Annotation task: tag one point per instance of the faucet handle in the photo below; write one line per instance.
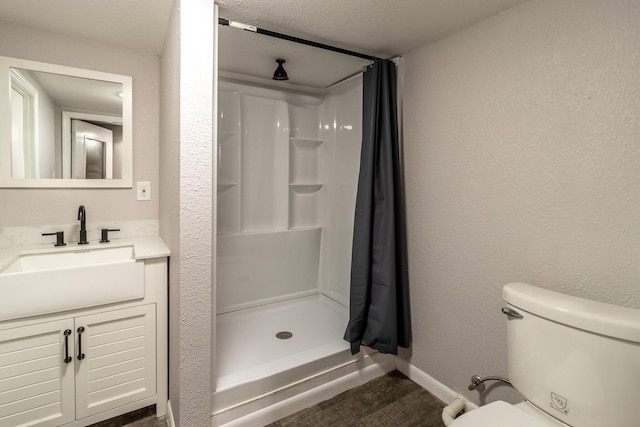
(59, 237)
(105, 234)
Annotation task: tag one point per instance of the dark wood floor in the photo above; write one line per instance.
(149, 422)
(391, 400)
(145, 417)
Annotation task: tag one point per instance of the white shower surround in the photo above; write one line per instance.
(287, 181)
(268, 216)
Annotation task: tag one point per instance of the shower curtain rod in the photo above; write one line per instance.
(226, 22)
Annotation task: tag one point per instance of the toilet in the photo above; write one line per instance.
(575, 361)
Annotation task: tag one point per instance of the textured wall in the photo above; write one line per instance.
(522, 150)
(187, 213)
(25, 207)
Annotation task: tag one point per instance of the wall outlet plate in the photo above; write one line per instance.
(144, 190)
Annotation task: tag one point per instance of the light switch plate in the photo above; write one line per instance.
(144, 190)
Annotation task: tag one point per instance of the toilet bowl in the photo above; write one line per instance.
(575, 361)
(503, 414)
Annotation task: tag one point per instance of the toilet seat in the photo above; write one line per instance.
(499, 414)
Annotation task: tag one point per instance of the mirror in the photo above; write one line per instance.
(64, 127)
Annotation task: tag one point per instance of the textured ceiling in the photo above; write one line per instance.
(383, 28)
(379, 27)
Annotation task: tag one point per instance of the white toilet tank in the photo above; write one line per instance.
(576, 359)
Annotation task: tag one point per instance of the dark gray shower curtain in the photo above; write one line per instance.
(379, 307)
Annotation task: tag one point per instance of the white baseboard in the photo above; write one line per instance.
(277, 411)
(430, 384)
(383, 365)
(170, 421)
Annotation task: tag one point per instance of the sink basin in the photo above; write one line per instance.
(69, 278)
(77, 258)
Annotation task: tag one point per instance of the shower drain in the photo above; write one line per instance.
(284, 335)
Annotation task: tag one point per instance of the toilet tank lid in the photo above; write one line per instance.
(593, 316)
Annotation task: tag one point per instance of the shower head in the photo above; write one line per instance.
(280, 73)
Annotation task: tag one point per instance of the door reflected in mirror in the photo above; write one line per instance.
(64, 127)
(87, 137)
(91, 150)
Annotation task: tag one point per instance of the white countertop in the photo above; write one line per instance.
(143, 248)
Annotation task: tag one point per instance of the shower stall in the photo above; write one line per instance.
(287, 180)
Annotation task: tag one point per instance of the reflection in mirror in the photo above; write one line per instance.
(91, 151)
(63, 126)
(24, 99)
(87, 138)
(38, 103)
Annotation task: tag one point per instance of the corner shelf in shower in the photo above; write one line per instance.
(305, 165)
(306, 188)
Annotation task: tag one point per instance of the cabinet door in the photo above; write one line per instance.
(119, 363)
(36, 383)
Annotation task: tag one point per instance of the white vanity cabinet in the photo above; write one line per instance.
(80, 367)
(118, 365)
(36, 385)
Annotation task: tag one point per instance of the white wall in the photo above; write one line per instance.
(522, 151)
(187, 206)
(59, 206)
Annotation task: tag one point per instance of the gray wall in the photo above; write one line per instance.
(522, 151)
(35, 207)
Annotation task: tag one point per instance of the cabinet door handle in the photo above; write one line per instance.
(80, 353)
(67, 358)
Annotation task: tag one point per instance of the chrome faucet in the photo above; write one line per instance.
(82, 217)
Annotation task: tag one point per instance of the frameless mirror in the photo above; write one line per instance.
(64, 127)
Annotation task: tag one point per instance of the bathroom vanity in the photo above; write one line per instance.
(92, 352)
